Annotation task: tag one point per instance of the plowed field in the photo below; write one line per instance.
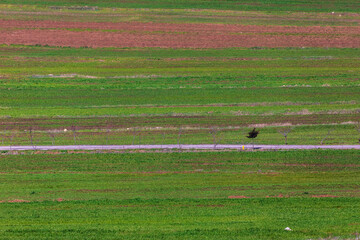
(171, 35)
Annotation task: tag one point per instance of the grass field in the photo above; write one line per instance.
(118, 89)
(223, 195)
(179, 72)
(315, 134)
(118, 15)
(258, 5)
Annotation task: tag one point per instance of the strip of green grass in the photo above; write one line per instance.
(153, 53)
(170, 88)
(197, 134)
(257, 5)
(179, 175)
(77, 98)
(274, 17)
(256, 112)
(190, 219)
(231, 80)
(181, 195)
(31, 67)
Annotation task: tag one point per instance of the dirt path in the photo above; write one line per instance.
(175, 146)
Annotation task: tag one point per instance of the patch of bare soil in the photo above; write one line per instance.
(18, 201)
(136, 34)
(324, 196)
(26, 201)
(312, 165)
(238, 197)
(179, 27)
(278, 196)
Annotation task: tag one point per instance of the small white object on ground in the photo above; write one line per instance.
(65, 130)
(288, 229)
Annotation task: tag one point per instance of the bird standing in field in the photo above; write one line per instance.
(253, 133)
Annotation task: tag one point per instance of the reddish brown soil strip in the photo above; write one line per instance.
(188, 35)
(296, 164)
(171, 122)
(312, 165)
(203, 164)
(278, 196)
(181, 28)
(324, 196)
(18, 201)
(26, 201)
(238, 197)
(197, 171)
(352, 224)
(269, 173)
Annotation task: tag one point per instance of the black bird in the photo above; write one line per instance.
(253, 133)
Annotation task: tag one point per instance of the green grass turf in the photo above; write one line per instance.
(180, 195)
(256, 5)
(29, 67)
(315, 134)
(154, 53)
(307, 129)
(138, 97)
(168, 88)
(320, 113)
(190, 219)
(143, 77)
(287, 18)
(138, 102)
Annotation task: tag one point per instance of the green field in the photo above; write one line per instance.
(255, 5)
(313, 134)
(181, 195)
(163, 15)
(220, 75)
(184, 92)
(118, 89)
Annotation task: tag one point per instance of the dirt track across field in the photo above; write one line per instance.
(171, 35)
(176, 146)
